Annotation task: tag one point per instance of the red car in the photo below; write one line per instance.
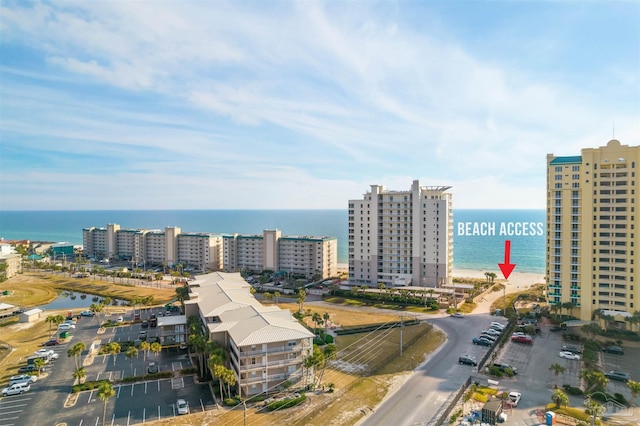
(52, 342)
(522, 339)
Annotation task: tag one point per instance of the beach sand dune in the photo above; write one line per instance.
(520, 279)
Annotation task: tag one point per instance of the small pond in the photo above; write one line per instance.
(71, 300)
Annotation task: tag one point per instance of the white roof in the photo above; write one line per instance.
(5, 306)
(228, 297)
(33, 311)
(172, 320)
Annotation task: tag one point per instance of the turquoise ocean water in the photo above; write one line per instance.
(479, 235)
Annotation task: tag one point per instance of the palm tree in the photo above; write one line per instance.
(317, 320)
(634, 387)
(276, 294)
(79, 374)
(76, 351)
(591, 330)
(329, 353)
(594, 379)
(105, 391)
(113, 348)
(218, 372)
(302, 295)
(268, 296)
(145, 347)
(229, 377)
(131, 353)
(326, 317)
(557, 370)
(560, 398)
(39, 364)
(156, 348)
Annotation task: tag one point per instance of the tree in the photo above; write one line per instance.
(302, 295)
(276, 295)
(105, 391)
(268, 296)
(634, 387)
(218, 372)
(591, 330)
(557, 370)
(156, 348)
(560, 398)
(145, 347)
(39, 364)
(114, 349)
(79, 374)
(317, 320)
(594, 379)
(229, 377)
(131, 353)
(76, 351)
(326, 317)
(328, 353)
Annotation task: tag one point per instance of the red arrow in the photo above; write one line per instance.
(507, 267)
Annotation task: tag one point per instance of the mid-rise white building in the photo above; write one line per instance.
(306, 256)
(402, 237)
(298, 255)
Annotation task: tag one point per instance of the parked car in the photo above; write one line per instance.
(514, 398)
(572, 349)
(44, 352)
(526, 339)
(467, 360)
(119, 319)
(183, 346)
(152, 368)
(569, 355)
(457, 315)
(504, 367)
(145, 324)
(87, 313)
(29, 369)
(613, 350)
(488, 337)
(558, 328)
(66, 326)
(52, 342)
(142, 335)
(16, 389)
(497, 324)
(617, 375)
(182, 406)
(481, 342)
(23, 378)
(492, 331)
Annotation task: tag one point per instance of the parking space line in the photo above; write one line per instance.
(12, 412)
(104, 358)
(80, 424)
(159, 412)
(144, 415)
(128, 418)
(145, 387)
(113, 418)
(110, 375)
(97, 420)
(158, 385)
(118, 393)
(132, 389)
(90, 395)
(201, 404)
(98, 377)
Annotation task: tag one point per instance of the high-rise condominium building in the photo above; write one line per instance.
(401, 237)
(592, 231)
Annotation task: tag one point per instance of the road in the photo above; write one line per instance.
(431, 385)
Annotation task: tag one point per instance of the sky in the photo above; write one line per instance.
(119, 105)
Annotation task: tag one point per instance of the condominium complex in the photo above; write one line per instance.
(402, 237)
(265, 344)
(305, 256)
(300, 255)
(143, 246)
(592, 231)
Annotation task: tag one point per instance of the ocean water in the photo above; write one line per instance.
(479, 235)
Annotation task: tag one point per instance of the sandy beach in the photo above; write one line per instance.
(519, 279)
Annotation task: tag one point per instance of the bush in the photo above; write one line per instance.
(328, 339)
(318, 341)
(231, 402)
(572, 390)
(88, 385)
(189, 370)
(495, 371)
(159, 375)
(287, 403)
(620, 398)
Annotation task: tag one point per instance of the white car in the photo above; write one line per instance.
(44, 352)
(514, 398)
(66, 326)
(16, 389)
(569, 355)
(492, 331)
(119, 319)
(20, 378)
(182, 406)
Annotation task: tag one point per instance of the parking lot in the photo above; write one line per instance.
(141, 402)
(536, 382)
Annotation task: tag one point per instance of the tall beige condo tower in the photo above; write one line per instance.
(401, 238)
(592, 232)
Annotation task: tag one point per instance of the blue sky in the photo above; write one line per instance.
(302, 104)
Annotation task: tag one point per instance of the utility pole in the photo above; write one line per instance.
(401, 329)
